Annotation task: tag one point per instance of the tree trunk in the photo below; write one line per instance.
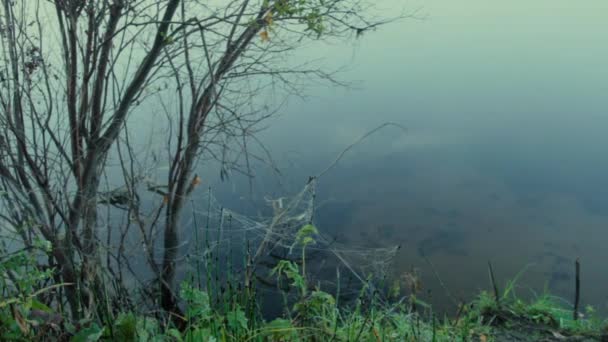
(171, 235)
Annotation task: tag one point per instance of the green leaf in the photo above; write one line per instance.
(125, 327)
(147, 328)
(90, 334)
(322, 300)
(199, 334)
(174, 333)
(237, 319)
(36, 305)
(197, 301)
(307, 230)
(279, 330)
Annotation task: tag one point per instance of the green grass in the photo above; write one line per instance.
(227, 310)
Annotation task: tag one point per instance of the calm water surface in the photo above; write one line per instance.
(505, 156)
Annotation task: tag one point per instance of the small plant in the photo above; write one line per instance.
(220, 312)
(21, 283)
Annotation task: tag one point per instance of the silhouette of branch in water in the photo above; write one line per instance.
(356, 142)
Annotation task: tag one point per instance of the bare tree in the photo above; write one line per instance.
(59, 122)
(66, 101)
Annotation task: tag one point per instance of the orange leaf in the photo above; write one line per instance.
(264, 36)
(196, 181)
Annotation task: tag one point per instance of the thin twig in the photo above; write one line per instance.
(445, 289)
(386, 124)
(494, 286)
(577, 293)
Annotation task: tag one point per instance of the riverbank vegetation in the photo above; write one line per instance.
(231, 311)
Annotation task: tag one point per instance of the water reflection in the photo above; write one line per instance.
(459, 218)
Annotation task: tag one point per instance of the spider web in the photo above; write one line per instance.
(273, 237)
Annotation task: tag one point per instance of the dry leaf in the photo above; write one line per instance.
(268, 18)
(483, 338)
(264, 36)
(21, 322)
(196, 181)
(376, 334)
